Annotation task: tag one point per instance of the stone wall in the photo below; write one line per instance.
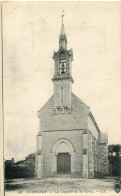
(77, 119)
(49, 140)
(103, 154)
(90, 156)
(66, 85)
(56, 125)
(103, 159)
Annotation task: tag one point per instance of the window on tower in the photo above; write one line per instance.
(61, 96)
(62, 66)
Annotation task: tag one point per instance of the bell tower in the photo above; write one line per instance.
(62, 78)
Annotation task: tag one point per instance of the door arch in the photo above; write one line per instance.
(63, 151)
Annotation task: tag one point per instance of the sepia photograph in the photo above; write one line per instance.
(61, 97)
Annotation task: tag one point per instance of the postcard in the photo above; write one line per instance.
(60, 98)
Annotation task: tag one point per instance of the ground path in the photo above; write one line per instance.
(61, 185)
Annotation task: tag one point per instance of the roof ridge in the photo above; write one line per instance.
(80, 100)
(45, 103)
(93, 119)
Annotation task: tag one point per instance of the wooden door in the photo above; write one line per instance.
(63, 163)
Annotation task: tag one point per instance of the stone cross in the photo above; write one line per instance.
(62, 16)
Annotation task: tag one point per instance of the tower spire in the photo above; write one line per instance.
(62, 27)
(62, 16)
(62, 78)
(62, 38)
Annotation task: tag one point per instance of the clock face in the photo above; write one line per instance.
(62, 66)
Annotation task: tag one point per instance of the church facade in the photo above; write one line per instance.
(69, 140)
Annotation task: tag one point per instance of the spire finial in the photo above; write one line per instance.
(62, 28)
(62, 16)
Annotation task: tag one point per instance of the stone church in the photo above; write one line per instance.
(69, 140)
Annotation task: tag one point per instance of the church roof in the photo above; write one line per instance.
(94, 121)
(90, 113)
(81, 104)
(79, 100)
(46, 103)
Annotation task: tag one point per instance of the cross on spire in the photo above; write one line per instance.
(62, 16)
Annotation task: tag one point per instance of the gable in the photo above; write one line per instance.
(78, 100)
(77, 119)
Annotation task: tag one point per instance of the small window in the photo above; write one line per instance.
(61, 95)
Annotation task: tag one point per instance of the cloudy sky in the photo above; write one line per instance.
(31, 33)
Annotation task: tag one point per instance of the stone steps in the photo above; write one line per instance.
(68, 175)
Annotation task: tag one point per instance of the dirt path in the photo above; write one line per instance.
(61, 185)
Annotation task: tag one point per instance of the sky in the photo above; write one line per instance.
(30, 36)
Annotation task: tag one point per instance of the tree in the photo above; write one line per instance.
(114, 152)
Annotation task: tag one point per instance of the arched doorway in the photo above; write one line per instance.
(63, 155)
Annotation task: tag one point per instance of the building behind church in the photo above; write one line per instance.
(69, 140)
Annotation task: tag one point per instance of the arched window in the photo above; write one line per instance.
(62, 66)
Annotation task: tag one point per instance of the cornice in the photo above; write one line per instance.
(62, 77)
(93, 119)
